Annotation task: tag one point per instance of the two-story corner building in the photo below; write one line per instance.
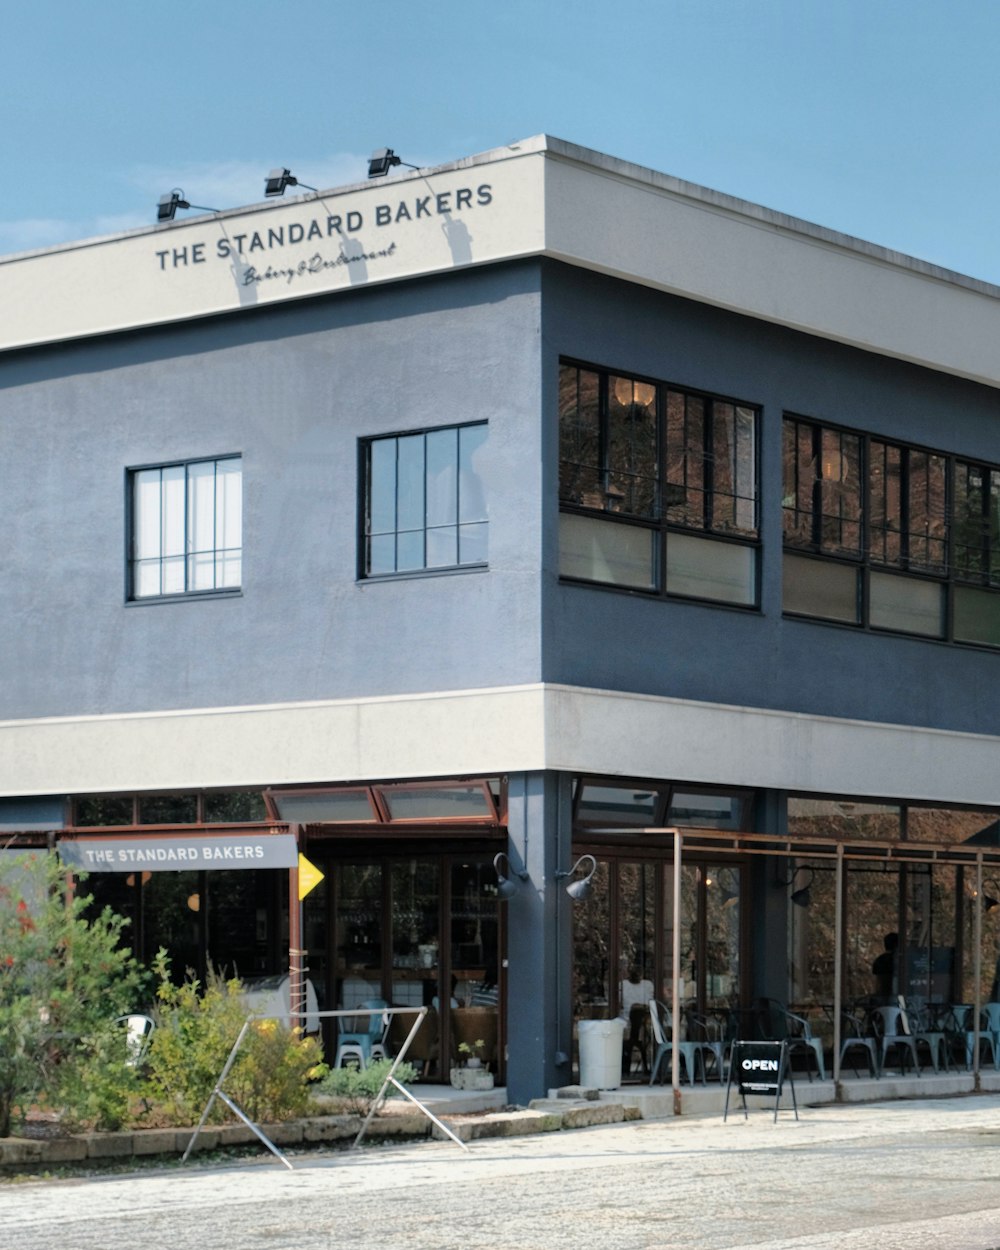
(536, 504)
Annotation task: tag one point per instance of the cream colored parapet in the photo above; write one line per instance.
(492, 731)
(539, 197)
(473, 212)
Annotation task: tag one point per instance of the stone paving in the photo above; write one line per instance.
(901, 1176)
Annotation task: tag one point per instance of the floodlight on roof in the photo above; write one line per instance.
(382, 160)
(168, 205)
(278, 179)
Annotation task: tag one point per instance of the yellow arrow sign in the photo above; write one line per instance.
(309, 877)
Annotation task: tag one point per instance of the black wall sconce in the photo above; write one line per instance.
(382, 160)
(802, 896)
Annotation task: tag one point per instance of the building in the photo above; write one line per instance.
(537, 505)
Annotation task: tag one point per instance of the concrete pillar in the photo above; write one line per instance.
(539, 936)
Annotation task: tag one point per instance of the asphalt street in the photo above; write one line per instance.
(897, 1176)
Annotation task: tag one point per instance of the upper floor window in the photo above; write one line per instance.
(186, 528)
(911, 537)
(658, 486)
(424, 501)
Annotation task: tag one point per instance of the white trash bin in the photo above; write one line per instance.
(601, 1053)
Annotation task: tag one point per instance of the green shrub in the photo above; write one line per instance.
(63, 980)
(195, 1034)
(357, 1088)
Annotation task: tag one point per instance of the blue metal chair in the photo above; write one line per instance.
(689, 1052)
(368, 1044)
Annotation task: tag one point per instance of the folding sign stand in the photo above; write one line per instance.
(760, 1068)
(219, 1092)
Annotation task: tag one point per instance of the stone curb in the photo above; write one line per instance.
(545, 1115)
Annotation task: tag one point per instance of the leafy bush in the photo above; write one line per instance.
(195, 1034)
(63, 980)
(357, 1088)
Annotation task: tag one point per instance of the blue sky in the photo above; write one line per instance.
(876, 117)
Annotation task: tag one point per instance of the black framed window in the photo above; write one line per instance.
(657, 487)
(186, 528)
(889, 536)
(424, 501)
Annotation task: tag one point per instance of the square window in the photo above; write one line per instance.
(186, 528)
(425, 502)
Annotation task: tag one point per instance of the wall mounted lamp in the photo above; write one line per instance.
(505, 887)
(991, 902)
(382, 160)
(168, 205)
(580, 889)
(278, 179)
(801, 897)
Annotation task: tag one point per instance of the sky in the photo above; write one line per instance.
(878, 118)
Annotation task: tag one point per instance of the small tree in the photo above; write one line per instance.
(63, 977)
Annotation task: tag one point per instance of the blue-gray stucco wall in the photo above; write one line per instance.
(291, 389)
(623, 641)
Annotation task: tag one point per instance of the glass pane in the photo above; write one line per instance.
(840, 491)
(98, 810)
(822, 589)
(636, 955)
(230, 806)
(146, 543)
(722, 937)
(632, 447)
(472, 543)
(471, 458)
(236, 918)
(437, 802)
(844, 818)
(474, 954)
(442, 547)
(810, 935)
(948, 827)
(871, 932)
(201, 507)
(382, 486)
(416, 937)
(382, 554)
(168, 809)
(351, 806)
(707, 570)
(410, 482)
(591, 948)
(410, 550)
(229, 505)
(601, 551)
(616, 805)
(228, 569)
(173, 526)
(358, 903)
(172, 576)
(201, 571)
(687, 933)
(907, 605)
(707, 811)
(442, 479)
(977, 615)
(147, 579)
(579, 437)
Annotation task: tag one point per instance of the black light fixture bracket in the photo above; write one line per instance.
(168, 204)
(278, 179)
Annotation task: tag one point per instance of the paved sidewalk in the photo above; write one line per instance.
(899, 1175)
